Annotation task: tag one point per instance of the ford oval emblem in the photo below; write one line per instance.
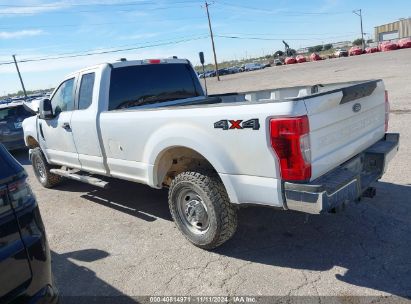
(356, 108)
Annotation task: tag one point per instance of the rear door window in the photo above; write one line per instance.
(153, 83)
(86, 91)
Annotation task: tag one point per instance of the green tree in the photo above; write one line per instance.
(278, 53)
(358, 42)
(318, 48)
(328, 46)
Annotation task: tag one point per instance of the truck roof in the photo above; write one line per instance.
(125, 63)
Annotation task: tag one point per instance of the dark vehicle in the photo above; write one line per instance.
(210, 74)
(25, 267)
(223, 72)
(11, 133)
(234, 70)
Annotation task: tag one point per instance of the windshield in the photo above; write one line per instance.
(154, 83)
(14, 113)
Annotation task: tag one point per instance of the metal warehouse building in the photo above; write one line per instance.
(395, 30)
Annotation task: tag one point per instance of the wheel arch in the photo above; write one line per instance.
(177, 159)
(31, 142)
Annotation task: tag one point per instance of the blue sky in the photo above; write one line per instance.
(42, 29)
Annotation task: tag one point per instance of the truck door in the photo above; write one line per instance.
(85, 123)
(15, 273)
(56, 137)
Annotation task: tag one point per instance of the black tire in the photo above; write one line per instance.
(42, 168)
(221, 214)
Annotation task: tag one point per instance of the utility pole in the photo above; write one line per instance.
(21, 79)
(212, 40)
(359, 13)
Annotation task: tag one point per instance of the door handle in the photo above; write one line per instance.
(66, 126)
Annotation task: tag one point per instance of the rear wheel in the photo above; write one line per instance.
(42, 168)
(201, 209)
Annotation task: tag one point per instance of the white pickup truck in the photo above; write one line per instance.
(310, 148)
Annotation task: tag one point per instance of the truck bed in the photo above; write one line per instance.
(266, 96)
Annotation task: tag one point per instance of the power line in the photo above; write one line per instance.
(84, 25)
(104, 52)
(58, 9)
(257, 38)
(91, 4)
(118, 46)
(132, 44)
(278, 39)
(282, 34)
(278, 11)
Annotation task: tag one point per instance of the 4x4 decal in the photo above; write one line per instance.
(226, 124)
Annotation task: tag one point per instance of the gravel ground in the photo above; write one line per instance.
(122, 242)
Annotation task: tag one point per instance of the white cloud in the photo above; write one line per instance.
(20, 34)
(39, 7)
(32, 9)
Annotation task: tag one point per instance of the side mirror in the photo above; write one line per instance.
(201, 54)
(45, 109)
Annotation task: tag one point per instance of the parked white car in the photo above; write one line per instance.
(253, 66)
(308, 148)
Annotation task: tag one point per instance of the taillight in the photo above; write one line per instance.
(290, 140)
(20, 194)
(387, 111)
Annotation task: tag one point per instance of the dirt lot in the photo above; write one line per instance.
(122, 242)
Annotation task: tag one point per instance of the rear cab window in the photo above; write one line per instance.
(12, 117)
(138, 85)
(14, 113)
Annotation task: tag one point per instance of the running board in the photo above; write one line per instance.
(81, 178)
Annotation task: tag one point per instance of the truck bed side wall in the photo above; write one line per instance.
(243, 158)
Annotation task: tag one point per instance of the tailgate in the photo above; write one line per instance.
(344, 122)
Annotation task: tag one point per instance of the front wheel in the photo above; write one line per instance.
(42, 168)
(201, 209)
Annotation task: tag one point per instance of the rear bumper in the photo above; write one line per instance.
(344, 184)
